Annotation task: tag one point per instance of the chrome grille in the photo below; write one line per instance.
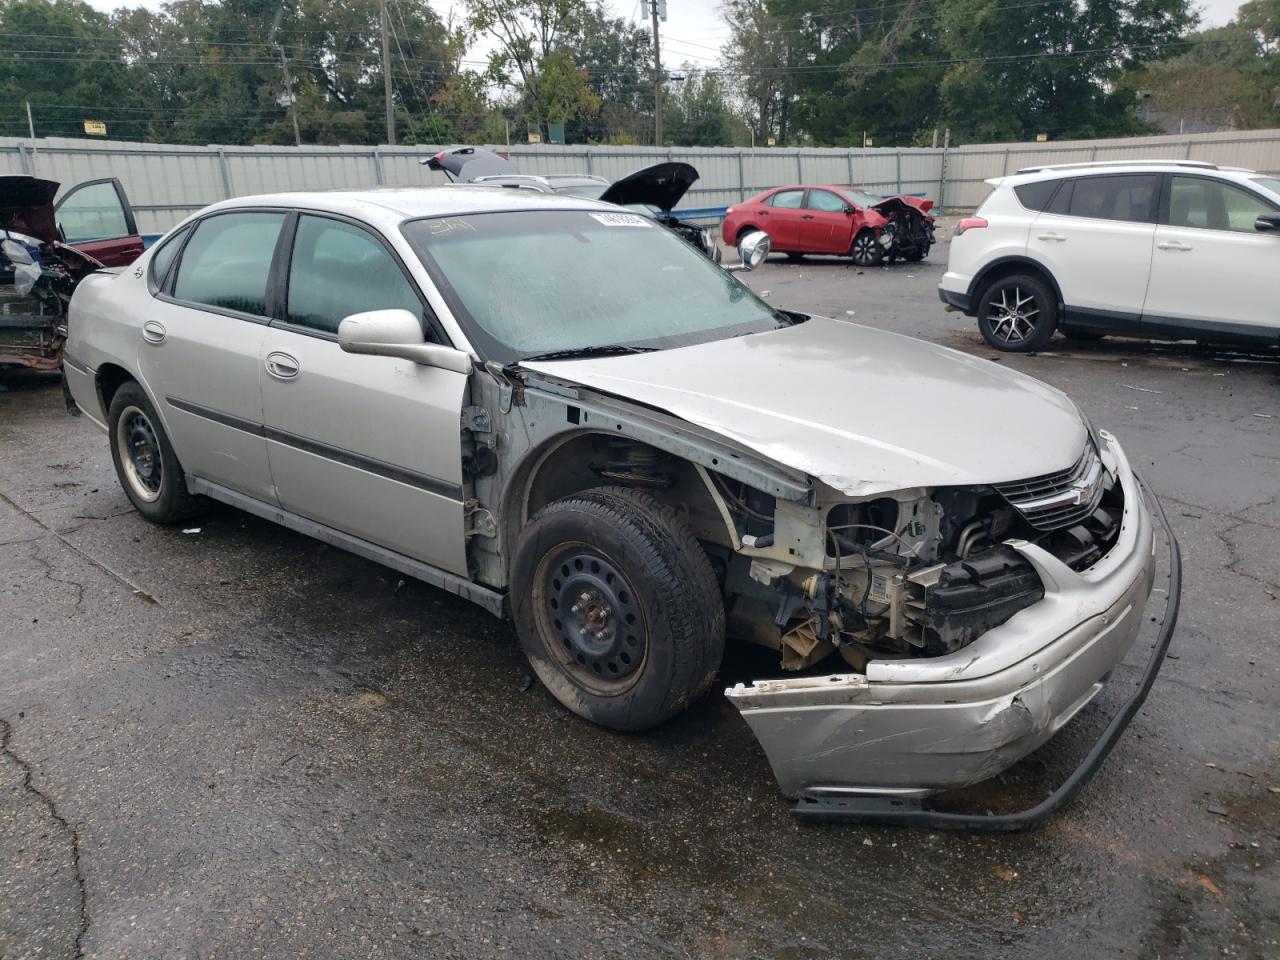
(1061, 499)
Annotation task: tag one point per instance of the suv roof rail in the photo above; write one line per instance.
(1198, 164)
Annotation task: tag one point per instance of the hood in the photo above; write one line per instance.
(661, 186)
(890, 204)
(467, 163)
(26, 206)
(863, 410)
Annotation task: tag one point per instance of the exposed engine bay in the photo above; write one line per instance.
(907, 233)
(698, 237)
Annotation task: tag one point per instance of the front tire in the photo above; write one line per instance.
(1017, 314)
(145, 463)
(617, 607)
(865, 249)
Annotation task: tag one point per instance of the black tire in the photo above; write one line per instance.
(1017, 313)
(865, 249)
(145, 463)
(795, 257)
(615, 558)
(917, 256)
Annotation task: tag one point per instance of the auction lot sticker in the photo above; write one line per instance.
(621, 219)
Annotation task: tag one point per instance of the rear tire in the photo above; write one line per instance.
(617, 607)
(145, 463)
(1018, 313)
(865, 249)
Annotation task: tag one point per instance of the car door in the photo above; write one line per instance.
(1095, 238)
(200, 344)
(367, 445)
(780, 218)
(827, 223)
(1211, 267)
(95, 217)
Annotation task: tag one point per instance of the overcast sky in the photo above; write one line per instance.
(693, 31)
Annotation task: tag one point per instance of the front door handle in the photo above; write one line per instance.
(281, 365)
(807, 216)
(1172, 245)
(153, 331)
(1056, 237)
(764, 213)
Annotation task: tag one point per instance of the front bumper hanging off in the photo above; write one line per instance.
(852, 749)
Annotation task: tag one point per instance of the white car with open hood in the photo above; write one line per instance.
(563, 412)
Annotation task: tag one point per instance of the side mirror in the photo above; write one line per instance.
(753, 249)
(1268, 222)
(397, 333)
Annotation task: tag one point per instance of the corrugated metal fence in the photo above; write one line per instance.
(168, 182)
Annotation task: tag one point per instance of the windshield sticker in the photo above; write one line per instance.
(448, 225)
(621, 220)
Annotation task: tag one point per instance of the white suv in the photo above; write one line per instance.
(1160, 248)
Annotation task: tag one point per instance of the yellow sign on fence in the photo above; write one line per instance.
(95, 127)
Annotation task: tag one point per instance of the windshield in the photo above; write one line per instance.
(541, 281)
(588, 191)
(862, 198)
(1268, 183)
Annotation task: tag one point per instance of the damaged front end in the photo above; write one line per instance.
(973, 622)
(907, 233)
(38, 274)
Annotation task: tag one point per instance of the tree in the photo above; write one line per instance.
(697, 113)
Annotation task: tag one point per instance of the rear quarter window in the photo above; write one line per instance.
(1036, 196)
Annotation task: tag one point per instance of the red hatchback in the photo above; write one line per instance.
(829, 219)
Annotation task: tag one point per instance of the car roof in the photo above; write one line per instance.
(391, 205)
(1094, 168)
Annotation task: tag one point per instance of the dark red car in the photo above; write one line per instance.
(45, 250)
(836, 220)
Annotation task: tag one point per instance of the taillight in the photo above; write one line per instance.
(969, 223)
(728, 210)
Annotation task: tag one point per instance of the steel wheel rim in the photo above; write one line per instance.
(1014, 316)
(590, 618)
(864, 248)
(139, 449)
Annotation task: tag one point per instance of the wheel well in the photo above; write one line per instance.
(743, 232)
(588, 460)
(1009, 268)
(110, 379)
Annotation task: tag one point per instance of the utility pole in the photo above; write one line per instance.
(386, 74)
(287, 98)
(657, 71)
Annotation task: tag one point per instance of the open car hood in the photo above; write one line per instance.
(892, 204)
(26, 206)
(467, 163)
(661, 186)
(863, 410)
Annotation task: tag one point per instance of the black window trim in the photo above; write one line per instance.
(166, 293)
(130, 221)
(1166, 200)
(1057, 183)
(279, 284)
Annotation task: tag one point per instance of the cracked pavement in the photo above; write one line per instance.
(240, 742)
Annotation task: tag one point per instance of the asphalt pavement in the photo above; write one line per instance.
(231, 741)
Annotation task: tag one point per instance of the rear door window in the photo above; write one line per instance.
(788, 199)
(227, 261)
(1126, 197)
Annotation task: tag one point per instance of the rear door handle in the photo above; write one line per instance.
(764, 213)
(807, 216)
(153, 331)
(1056, 237)
(1172, 245)
(281, 365)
